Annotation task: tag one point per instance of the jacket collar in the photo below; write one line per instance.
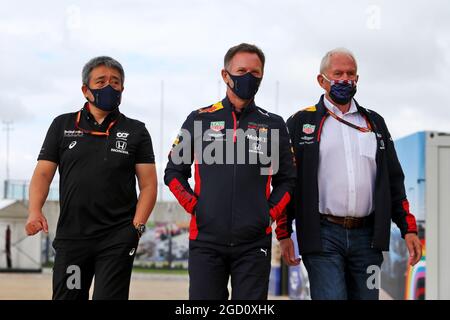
(229, 106)
(321, 109)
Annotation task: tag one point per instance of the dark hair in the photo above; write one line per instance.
(101, 61)
(243, 47)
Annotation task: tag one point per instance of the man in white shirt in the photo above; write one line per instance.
(350, 186)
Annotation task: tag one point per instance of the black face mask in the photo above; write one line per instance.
(107, 98)
(245, 86)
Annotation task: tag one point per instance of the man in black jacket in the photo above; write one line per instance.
(239, 151)
(349, 186)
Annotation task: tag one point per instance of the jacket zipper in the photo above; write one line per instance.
(235, 125)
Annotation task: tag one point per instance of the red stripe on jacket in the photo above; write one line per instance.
(281, 230)
(410, 219)
(187, 200)
(193, 230)
(198, 182)
(277, 210)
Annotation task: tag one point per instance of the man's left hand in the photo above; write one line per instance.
(414, 247)
(288, 253)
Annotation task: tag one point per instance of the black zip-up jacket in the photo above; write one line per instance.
(389, 196)
(232, 202)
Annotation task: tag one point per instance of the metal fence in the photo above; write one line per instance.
(18, 190)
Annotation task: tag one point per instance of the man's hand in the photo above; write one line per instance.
(35, 223)
(39, 187)
(287, 252)
(414, 247)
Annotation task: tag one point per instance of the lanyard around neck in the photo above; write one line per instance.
(93, 132)
(354, 126)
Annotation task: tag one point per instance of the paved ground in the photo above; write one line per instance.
(22, 286)
(17, 286)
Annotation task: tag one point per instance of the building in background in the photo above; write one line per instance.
(425, 158)
(18, 252)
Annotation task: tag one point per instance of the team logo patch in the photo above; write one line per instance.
(261, 127)
(217, 125)
(310, 109)
(121, 145)
(215, 107)
(308, 128)
(177, 140)
(122, 135)
(73, 133)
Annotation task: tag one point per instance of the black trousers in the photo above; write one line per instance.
(211, 266)
(109, 258)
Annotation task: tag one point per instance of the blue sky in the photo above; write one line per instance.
(402, 47)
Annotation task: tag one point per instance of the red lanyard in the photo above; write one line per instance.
(92, 132)
(354, 126)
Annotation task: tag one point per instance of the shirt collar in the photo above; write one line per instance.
(87, 115)
(330, 106)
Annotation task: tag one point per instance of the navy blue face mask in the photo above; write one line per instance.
(245, 86)
(342, 91)
(107, 98)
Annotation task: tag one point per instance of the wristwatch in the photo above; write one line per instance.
(140, 228)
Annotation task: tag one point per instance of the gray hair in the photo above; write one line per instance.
(101, 61)
(325, 63)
